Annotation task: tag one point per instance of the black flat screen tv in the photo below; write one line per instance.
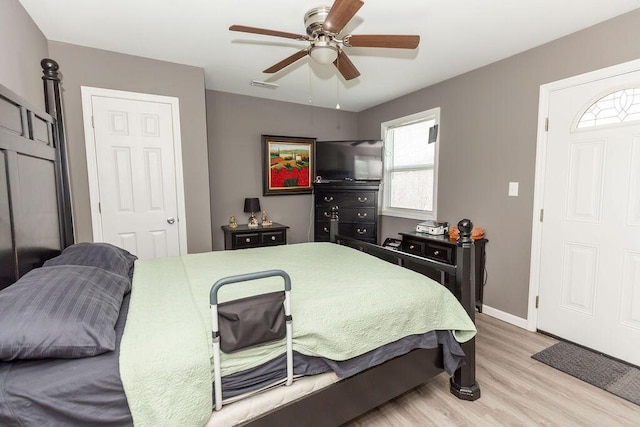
(350, 160)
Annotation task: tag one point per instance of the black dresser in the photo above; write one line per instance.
(357, 204)
(440, 248)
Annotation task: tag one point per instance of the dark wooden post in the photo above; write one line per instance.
(463, 383)
(53, 105)
(333, 224)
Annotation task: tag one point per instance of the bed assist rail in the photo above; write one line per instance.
(242, 326)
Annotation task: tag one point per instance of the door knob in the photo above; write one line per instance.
(171, 220)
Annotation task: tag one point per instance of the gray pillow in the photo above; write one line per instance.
(103, 255)
(60, 312)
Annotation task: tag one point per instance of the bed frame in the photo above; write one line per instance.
(36, 224)
(35, 209)
(356, 395)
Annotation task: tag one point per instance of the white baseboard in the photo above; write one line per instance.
(505, 317)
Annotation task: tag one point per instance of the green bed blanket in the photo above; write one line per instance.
(343, 302)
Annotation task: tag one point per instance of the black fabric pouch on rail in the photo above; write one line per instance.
(251, 321)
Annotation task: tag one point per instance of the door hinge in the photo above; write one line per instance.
(93, 124)
(537, 301)
(99, 207)
(541, 215)
(546, 124)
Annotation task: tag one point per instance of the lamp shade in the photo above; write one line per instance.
(324, 54)
(252, 204)
(324, 50)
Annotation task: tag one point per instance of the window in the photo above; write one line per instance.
(617, 107)
(410, 163)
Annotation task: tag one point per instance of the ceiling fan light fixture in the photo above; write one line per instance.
(324, 54)
(324, 51)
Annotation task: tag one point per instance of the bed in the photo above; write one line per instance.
(128, 392)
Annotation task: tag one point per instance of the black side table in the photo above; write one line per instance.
(440, 248)
(243, 236)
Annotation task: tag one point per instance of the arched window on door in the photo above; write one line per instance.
(617, 107)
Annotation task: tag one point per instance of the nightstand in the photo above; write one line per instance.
(243, 237)
(440, 248)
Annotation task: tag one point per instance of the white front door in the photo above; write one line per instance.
(589, 284)
(139, 205)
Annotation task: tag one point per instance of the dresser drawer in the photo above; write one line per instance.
(413, 247)
(322, 230)
(246, 240)
(278, 237)
(361, 214)
(345, 199)
(438, 252)
(364, 231)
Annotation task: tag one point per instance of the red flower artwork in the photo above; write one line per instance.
(288, 165)
(281, 178)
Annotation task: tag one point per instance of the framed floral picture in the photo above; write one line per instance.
(287, 165)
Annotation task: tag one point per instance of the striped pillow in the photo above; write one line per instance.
(103, 255)
(60, 312)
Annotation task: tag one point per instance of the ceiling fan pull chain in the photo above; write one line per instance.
(338, 84)
(310, 87)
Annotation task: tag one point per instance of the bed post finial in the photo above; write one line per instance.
(50, 69)
(465, 226)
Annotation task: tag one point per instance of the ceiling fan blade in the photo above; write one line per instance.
(254, 30)
(287, 61)
(341, 12)
(346, 67)
(382, 40)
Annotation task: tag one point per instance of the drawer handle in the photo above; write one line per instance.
(362, 215)
(436, 252)
(362, 199)
(412, 247)
(363, 231)
(248, 240)
(328, 199)
(273, 237)
(326, 230)
(327, 214)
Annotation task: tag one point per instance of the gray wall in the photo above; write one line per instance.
(82, 66)
(488, 138)
(22, 46)
(235, 125)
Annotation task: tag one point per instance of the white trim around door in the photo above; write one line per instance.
(92, 169)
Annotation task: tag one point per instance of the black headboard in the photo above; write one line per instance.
(35, 210)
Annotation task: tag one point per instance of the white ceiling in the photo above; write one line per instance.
(456, 36)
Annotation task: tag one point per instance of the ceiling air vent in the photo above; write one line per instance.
(265, 85)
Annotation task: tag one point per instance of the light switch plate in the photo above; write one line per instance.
(513, 189)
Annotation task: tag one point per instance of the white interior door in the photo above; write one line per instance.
(140, 207)
(589, 285)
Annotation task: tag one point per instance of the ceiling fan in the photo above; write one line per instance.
(325, 46)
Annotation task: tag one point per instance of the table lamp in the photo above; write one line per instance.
(252, 205)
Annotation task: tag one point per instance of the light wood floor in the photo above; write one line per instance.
(516, 391)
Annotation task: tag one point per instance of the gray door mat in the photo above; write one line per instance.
(597, 369)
